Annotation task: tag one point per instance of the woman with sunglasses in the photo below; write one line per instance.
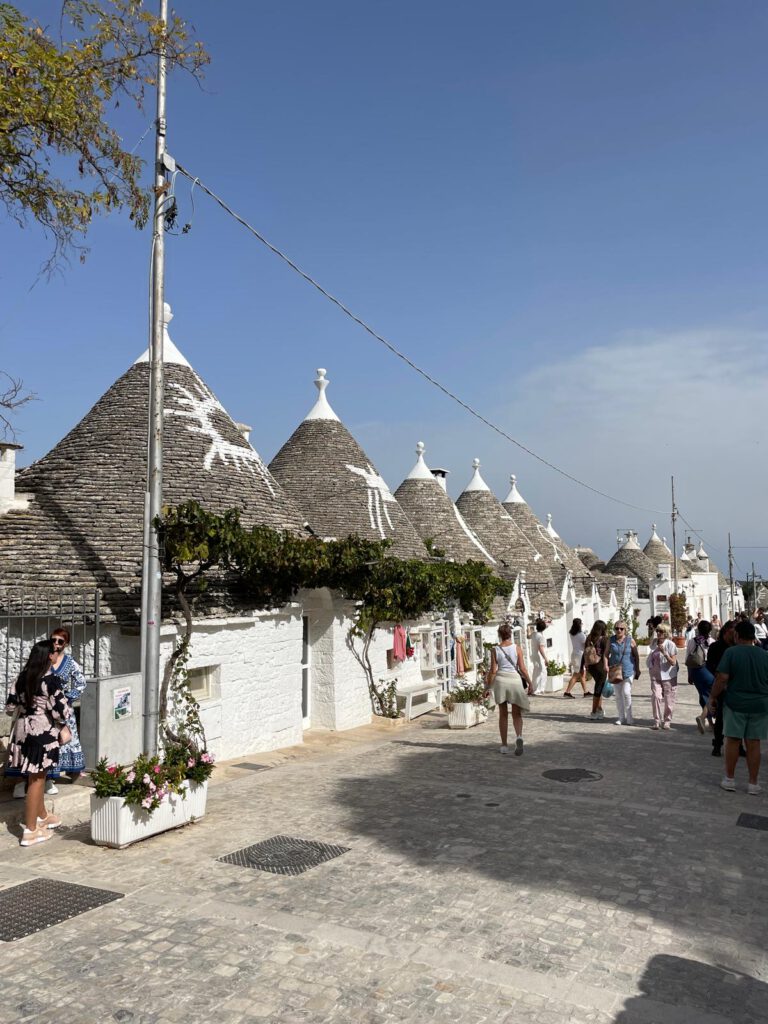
(40, 710)
(623, 667)
(63, 665)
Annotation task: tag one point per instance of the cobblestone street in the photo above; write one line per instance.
(474, 889)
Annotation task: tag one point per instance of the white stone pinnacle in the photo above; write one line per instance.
(170, 353)
(420, 471)
(477, 483)
(321, 410)
(514, 497)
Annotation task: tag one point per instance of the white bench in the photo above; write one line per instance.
(431, 691)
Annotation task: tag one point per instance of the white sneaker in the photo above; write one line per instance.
(51, 789)
(594, 716)
(504, 749)
(619, 722)
(19, 790)
(728, 784)
(754, 788)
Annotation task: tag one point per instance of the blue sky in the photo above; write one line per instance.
(556, 208)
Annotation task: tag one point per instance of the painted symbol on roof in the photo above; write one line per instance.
(203, 406)
(379, 495)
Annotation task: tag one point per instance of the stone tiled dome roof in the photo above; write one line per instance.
(656, 550)
(544, 539)
(436, 518)
(589, 557)
(337, 487)
(629, 560)
(84, 524)
(494, 526)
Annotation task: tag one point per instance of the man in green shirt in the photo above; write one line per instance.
(743, 674)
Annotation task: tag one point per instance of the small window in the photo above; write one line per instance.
(203, 681)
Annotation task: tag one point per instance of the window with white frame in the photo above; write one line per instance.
(204, 681)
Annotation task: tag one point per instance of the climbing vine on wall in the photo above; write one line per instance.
(267, 567)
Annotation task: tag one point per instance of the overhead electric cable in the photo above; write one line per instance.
(401, 355)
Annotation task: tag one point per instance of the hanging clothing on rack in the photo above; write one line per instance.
(399, 644)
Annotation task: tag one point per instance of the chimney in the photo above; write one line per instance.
(245, 430)
(8, 498)
(440, 475)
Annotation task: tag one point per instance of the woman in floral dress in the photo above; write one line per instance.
(71, 757)
(40, 711)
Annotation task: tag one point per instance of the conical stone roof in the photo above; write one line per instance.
(496, 529)
(590, 558)
(630, 560)
(544, 539)
(84, 524)
(337, 487)
(656, 550)
(436, 518)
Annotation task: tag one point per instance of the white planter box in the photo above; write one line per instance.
(555, 683)
(464, 716)
(115, 824)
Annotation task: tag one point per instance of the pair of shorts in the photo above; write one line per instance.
(745, 725)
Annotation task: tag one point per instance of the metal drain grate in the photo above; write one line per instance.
(758, 821)
(572, 775)
(283, 855)
(42, 902)
(252, 767)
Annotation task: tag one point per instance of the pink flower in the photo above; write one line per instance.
(152, 787)
(146, 802)
(146, 780)
(130, 776)
(207, 758)
(191, 762)
(111, 768)
(156, 769)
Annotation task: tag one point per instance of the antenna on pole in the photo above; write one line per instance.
(674, 538)
(730, 576)
(152, 582)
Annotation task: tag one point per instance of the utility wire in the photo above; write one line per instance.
(711, 546)
(400, 355)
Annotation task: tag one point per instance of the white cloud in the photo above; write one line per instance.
(627, 416)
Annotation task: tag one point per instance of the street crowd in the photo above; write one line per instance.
(727, 664)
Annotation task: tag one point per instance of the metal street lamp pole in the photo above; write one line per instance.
(152, 584)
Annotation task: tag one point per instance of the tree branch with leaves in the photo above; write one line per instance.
(61, 160)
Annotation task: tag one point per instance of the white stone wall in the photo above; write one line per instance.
(256, 702)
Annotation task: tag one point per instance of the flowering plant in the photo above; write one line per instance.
(148, 781)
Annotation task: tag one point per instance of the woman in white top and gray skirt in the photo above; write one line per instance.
(507, 680)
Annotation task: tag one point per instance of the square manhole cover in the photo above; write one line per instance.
(251, 766)
(42, 902)
(283, 855)
(572, 775)
(758, 821)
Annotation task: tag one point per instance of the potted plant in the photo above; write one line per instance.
(555, 672)
(151, 795)
(678, 615)
(465, 706)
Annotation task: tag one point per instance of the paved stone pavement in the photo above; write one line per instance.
(475, 889)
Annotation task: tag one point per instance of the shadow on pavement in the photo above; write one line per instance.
(642, 838)
(708, 992)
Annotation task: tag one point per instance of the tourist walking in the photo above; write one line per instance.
(578, 671)
(696, 662)
(623, 667)
(539, 655)
(596, 664)
(662, 666)
(506, 681)
(761, 629)
(715, 652)
(743, 675)
(715, 631)
(40, 711)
